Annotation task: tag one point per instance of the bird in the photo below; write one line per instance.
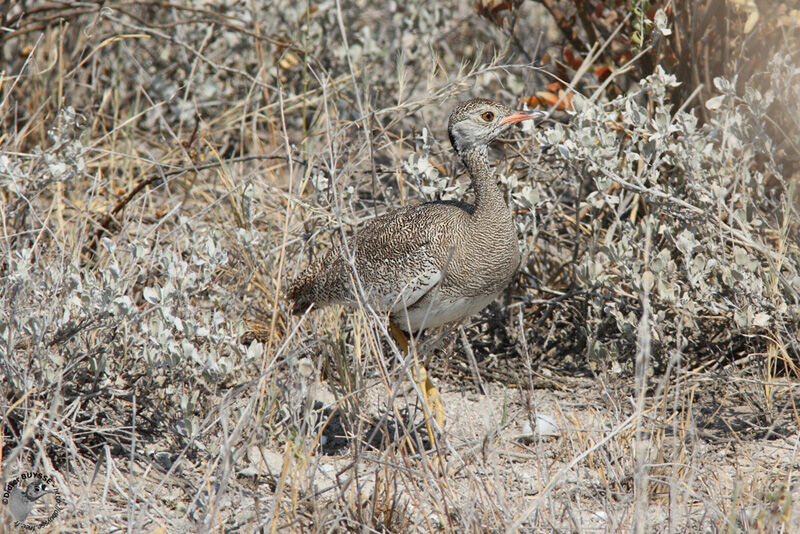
(432, 263)
(21, 502)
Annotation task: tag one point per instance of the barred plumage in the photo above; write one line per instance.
(436, 262)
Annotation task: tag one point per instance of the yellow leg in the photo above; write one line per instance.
(432, 397)
(399, 336)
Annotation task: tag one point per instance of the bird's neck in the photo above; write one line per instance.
(488, 196)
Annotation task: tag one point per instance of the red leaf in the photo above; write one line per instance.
(532, 101)
(602, 72)
(624, 57)
(546, 99)
(571, 59)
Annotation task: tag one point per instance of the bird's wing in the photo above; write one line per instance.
(400, 256)
(399, 281)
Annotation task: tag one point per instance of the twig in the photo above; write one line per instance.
(622, 427)
(476, 373)
(105, 222)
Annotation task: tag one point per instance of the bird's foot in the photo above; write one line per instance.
(433, 399)
(430, 394)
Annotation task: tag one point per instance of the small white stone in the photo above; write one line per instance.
(249, 472)
(526, 428)
(601, 515)
(264, 461)
(546, 426)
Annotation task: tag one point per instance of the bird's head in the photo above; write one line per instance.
(478, 122)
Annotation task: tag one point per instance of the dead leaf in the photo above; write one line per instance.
(571, 59)
(602, 72)
(288, 61)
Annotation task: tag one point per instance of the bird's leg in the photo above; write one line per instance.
(399, 336)
(431, 395)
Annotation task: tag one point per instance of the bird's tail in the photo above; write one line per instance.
(301, 293)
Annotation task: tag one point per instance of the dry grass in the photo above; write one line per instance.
(165, 170)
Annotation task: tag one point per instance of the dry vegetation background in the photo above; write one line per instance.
(166, 170)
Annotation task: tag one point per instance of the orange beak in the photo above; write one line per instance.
(519, 116)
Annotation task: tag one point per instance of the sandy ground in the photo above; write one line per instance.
(565, 458)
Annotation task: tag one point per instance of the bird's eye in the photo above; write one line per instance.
(488, 116)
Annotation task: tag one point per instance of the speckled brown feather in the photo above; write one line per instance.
(430, 263)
